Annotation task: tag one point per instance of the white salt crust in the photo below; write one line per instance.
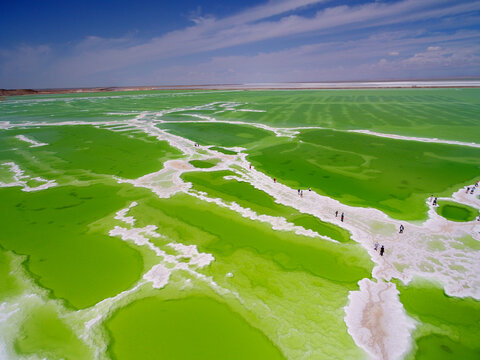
(430, 249)
(30, 141)
(158, 275)
(22, 180)
(407, 255)
(377, 321)
(120, 215)
(412, 138)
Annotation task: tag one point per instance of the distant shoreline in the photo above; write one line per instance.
(422, 84)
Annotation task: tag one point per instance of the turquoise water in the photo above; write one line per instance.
(123, 239)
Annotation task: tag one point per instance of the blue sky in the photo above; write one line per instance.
(47, 44)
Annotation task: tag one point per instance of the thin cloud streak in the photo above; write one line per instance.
(202, 38)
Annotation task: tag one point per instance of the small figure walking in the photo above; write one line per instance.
(401, 229)
(467, 190)
(434, 201)
(376, 246)
(250, 166)
(382, 250)
(476, 183)
(309, 189)
(473, 189)
(336, 213)
(301, 193)
(342, 217)
(274, 180)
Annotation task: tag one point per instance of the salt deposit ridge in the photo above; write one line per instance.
(375, 317)
(19, 178)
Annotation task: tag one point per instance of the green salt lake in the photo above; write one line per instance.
(457, 212)
(122, 239)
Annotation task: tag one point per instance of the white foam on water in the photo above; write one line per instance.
(30, 141)
(377, 321)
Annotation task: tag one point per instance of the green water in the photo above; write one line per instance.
(442, 347)
(219, 232)
(449, 326)
(69, 290)
(204, 164)
(393, 176)
(296, 277)
(226, 135)
(467, 242)
(44, 334)
(441, 113)
(456, 212)
(88, 150)
(193, 328)
(9, 286)
(247, 196)
(67, 253)
(433, 113)
(223, 151)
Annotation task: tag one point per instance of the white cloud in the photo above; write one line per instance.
(383, 62)
(353, 60)
(101, 60)
(213, 34)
